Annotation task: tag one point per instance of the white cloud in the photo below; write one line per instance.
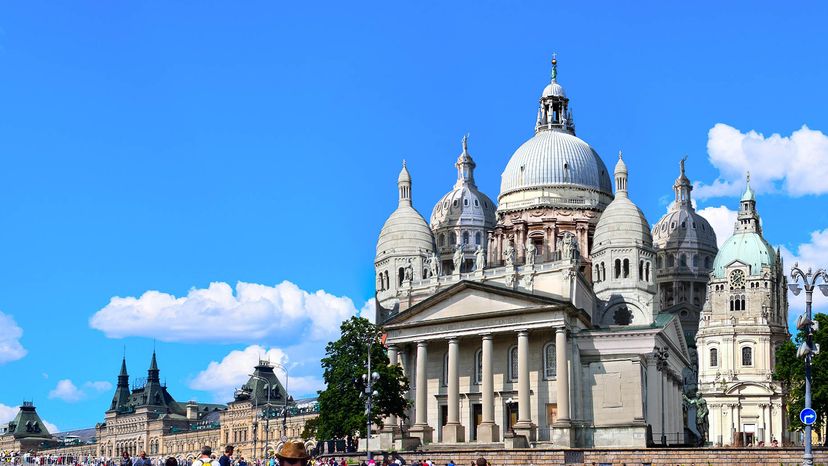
(251, 314)
(722, 220)
(10, 347)
(369, 310)
(67, 391)
(99, 386)
(795, 164)
(222, 378)
(814, 255)
(7, 413)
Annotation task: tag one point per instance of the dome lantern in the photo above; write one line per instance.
(553, 112)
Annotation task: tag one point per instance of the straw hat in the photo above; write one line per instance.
(293, 451)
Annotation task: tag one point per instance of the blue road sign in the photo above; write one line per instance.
(807, 416)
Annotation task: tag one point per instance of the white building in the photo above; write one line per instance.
(743, 323)
(550, 333)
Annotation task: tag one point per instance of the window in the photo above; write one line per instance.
(714, 357)
(647, 272)
(626, 268)
(477, 238)
(549, 361)
(442, 239)
(747, 356)
(597, 272)
(513, 363)
(617, 271)
(695, 260)
(465, 237)
(452, 239)
(465, 202)
(476, 203)
(670, 260)
(478, 367)
(402, 275)
(658, 262)
(603, 272)
(683, 261)
(641, 270)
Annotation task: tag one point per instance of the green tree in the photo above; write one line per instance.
(790, 370)
(342, 404)
(309, 431)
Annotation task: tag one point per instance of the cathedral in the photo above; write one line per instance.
(557, 315)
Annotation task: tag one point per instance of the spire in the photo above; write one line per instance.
(620, 177)
(152, 373)
(465, 165)
(404, 185)
(123, 368)
(682, 187)
(747, 220)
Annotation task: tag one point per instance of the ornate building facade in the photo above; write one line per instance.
(743, 322)
(552, 336)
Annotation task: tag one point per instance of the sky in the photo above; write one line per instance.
(208, 179)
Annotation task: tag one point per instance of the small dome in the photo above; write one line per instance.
(683, 226)
(749, 248)
(464, 205)
(405, 232)
(622, 224)
(555, 158)
(553, 89)
(404, 175)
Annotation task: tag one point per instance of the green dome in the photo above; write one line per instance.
(749, 248)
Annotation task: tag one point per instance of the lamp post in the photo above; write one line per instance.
(369, 378)
(284, 410)
(267, 417)
(661, 355)
(807, 349)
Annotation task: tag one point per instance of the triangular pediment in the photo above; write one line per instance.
(469, 300)
(674, 332)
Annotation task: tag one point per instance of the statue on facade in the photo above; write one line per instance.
(479, 258)
(509, 255)
(530, 252)
(568, 246)
(458, 258)
(408, 274)
(434, 265)
(701, 415)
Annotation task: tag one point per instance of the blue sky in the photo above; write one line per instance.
(155, 148)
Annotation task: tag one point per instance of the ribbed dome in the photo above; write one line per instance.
(749, 248)
(555, 158)
(683, 226)
(622, 223)
(405, 231)
(553, 89)
(464, 205)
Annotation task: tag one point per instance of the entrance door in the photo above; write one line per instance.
(443, 420)
(477, 417)
(512, 415)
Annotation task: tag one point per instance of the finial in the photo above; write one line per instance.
(403, 163)
(554, 66)
(681, 164)
(466, 143)
(748, 178)
(620, 155)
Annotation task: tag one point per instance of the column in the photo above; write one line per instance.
(524, 424)
(562, 378)
(421, 429)
(391, 421)
(453, 431)
(520, 244)
(487, 431)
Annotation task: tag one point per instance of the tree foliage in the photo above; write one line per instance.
(310, 429)
(790, 370)
(342, 403)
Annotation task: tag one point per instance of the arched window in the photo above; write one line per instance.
(478, 366)
(658, 262)
(445, 369)
(695, 260)
(402, 275)
(626, 268)
(747, 356)
(387, 281)
(683, 260)
(477, 238)
(452, 239)
(603, 272)
(670, 260)
(465, 237)
(641, 270)
(597, 272)
(714, 357)
(442, 239)
(647, 272)
(617, 272)
(550, 368)
(707, 262)
(513, 363)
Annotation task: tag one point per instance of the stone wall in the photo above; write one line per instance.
(620, 457)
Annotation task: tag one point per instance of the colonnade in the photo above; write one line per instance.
(488, 429)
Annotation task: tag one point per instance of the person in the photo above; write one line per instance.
(142, 460)
(125, 459)
(242, 462)
(205, 459)
(482, 461)
(775, 443)
(171, 462)
(293, 454)
(226, 458)
(450, 463)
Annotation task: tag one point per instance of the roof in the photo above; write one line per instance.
(555, 158)
(748, 248)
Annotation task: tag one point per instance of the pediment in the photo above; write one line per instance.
(673, 331)
(468, 300)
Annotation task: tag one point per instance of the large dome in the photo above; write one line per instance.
(682, 226)
(555, 158)
(749, 248)
(463, 205)
(405, 231)
(622, 223)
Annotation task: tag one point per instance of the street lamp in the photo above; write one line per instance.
(284, 411)
(267, 418)
(661, 355)
(807, 350)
